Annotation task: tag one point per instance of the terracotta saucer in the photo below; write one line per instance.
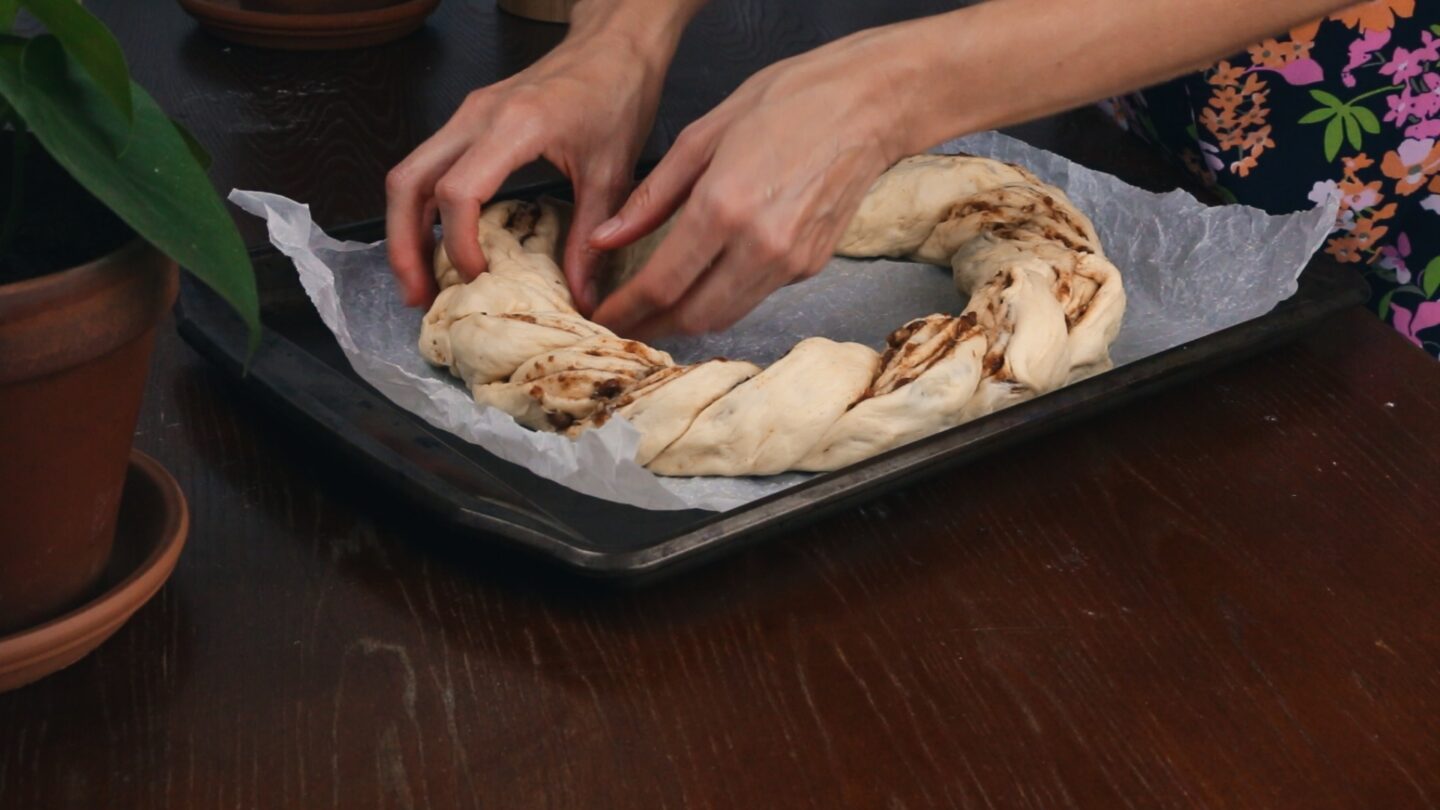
(154, 520)
(308, 32)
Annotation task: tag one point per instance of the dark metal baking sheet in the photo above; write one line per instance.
(300, 371)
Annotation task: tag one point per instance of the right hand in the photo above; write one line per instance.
(585, 107)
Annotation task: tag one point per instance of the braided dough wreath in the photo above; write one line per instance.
(1044, 306)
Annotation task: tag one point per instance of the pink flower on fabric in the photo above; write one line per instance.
(1403, 66)
(1362, 199)
(1323, 192)
(1429, 50)
(1429, 128)
(1410, 164)
(1411, 324)
(1427, 103)
(1400, 107)
(1431, 203)
(1360, 51)
(1298, 73)
(1392, 257)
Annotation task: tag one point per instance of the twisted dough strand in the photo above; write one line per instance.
(1044, 305)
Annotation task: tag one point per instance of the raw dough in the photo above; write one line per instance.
(1044, 304)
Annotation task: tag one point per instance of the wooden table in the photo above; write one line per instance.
(1224, 596)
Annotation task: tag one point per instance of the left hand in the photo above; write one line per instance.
(769, 180)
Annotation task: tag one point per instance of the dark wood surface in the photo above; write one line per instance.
(1224, 596)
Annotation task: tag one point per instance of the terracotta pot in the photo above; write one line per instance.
(556, 11)
(74, 353)
(315, 6)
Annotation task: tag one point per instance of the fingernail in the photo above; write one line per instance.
(607, 229)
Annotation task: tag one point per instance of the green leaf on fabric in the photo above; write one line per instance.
(93, 47)
(1430, 277)
(1384, 309)
(1316, 116)
(1352, 131)
(1334, 134)
(1367, 120)
(1328, 99)
(156, 186)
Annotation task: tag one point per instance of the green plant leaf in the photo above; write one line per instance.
(1328, 99)
(91, 44)
(196, 150)
(1430, 277)
(1334, 134)
(1318, 115)
(155, 186)
(1352, 131)
(1367, 120)
(8, 9)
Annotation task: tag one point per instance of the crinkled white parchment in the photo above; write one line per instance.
(1190, 270)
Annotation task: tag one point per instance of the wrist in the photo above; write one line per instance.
(643, 29)
(895, 74)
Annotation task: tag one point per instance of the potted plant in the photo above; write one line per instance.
(104, 195)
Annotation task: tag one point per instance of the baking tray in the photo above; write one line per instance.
(300, 372)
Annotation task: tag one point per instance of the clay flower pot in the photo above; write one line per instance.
(74, 353)
(80, 297)
(556, 11)
(315, 6)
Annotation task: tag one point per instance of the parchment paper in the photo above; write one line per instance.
(1190, 270)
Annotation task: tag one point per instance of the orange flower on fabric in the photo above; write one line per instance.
(1346, 249)
(1252, 117)
(1376, 15)
(1366, 232)
(1275, 54)
(1227, 75)
(1258, 140)
(1412, 164)
(1357, 196)
(1226, 98)
(1235, 115)
(1353, 165)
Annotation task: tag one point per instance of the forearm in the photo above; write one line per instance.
(1006, 61)
(652, 28)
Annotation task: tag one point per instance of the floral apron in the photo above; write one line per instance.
(1346, 106)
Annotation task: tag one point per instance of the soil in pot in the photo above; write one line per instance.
(79, 300)
(59, 224)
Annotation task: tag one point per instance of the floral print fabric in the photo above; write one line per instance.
(1348, 107)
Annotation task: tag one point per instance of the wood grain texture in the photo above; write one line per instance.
(1223, 596)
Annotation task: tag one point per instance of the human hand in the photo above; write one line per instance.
(768, 180)
(586, 107)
